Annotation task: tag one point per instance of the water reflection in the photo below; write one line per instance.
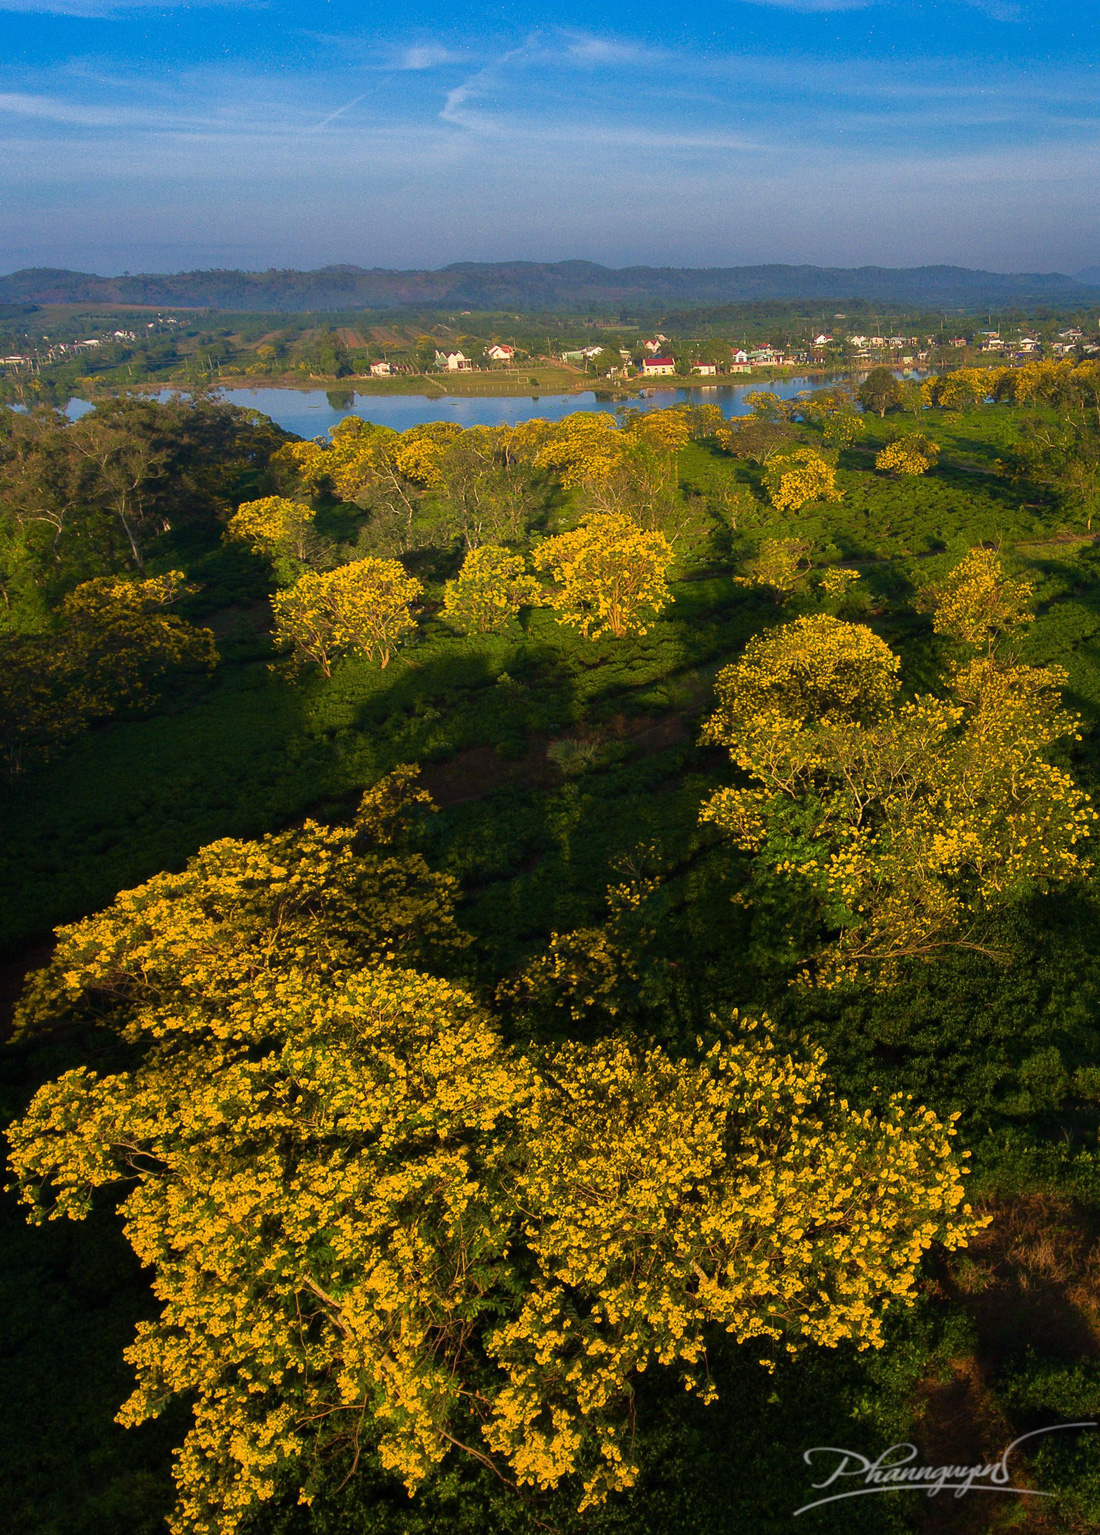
(310, 412)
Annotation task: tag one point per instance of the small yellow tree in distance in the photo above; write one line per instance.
(489, 590)
(915, 454)
(362, 608)
(797, 478)
(780, 564)
(836, 581)
(272, 525)
(284, 530)
(610, 575)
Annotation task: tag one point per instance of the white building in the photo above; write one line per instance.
(380, 369)
(658, 365)
(454, 362)
(500, 352)
(705, 369)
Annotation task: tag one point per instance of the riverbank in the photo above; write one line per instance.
(490, 382)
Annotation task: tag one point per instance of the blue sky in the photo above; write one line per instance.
(255, 133)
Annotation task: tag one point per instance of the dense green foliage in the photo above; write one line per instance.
(535, 836)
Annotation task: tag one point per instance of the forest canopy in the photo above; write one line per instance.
(496, 1143)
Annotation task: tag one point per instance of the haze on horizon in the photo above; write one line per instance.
(835, 132)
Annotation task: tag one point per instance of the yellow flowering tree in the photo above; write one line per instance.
(585, 446)
(977, 603)
(914, 454)
(359, 609)
(114, 645)
(609, 575)
(781, 565)
(489, 590)
(836, 582)
(282, 529)
(796, 478)
(961, 389)
(904, 823)
(373, 1223)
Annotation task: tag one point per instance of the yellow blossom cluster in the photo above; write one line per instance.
(490, 589)
(780, 564)
(359, 609)
(371, 1222)
(836, 581)
(609, 575)
(1046, 379)
(272, 524)
(978, 602)
(912, 454)
(907, 821)
(793, 479)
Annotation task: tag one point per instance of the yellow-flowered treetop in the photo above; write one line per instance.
(796, 478)
(780, 564)
(836, 581)
(977, 602)
(585, 446)
(372, 1223)
(608, 574)
(905, 822)
(318, 899)
(913, 454)
(962, 388)
(489, 590)
(271, 525)
(359, 609)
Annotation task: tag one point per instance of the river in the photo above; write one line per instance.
(310, 412)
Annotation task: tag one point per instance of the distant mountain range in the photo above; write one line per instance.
(561, 285)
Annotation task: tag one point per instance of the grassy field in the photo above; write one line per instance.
(1009, 1337)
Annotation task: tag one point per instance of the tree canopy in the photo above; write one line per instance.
(373, 1223)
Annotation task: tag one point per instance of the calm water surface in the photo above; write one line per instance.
(310, 412)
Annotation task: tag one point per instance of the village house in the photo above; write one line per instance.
(658, 365)
(454, 362)
(500, 352)
(380, 369)
(705, 369)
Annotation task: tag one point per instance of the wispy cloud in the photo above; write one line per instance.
(816, 5)
(105, 10)
(427, 56)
